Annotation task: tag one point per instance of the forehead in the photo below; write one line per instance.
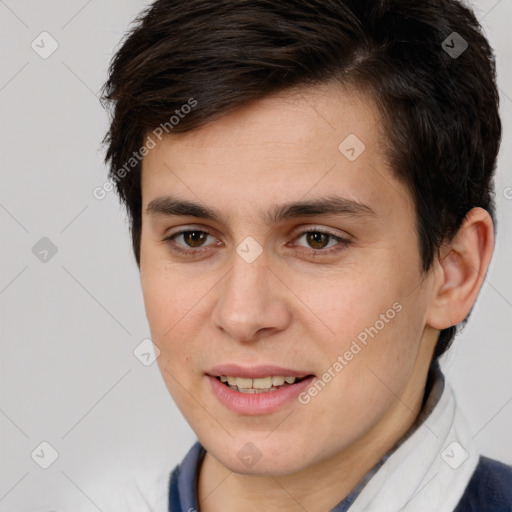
(291, 145)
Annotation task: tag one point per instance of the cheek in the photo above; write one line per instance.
(176, 315)
(168, 295)
(375, 327)
(348, 305)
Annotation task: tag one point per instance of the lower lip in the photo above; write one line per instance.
(257, 403)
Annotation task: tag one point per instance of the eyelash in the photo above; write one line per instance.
(342, 245)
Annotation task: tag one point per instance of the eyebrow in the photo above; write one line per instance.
(169, 206)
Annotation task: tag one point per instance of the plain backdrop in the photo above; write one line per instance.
(71, 307)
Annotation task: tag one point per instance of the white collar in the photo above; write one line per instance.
(431, 468)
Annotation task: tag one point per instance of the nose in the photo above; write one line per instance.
(251, 302)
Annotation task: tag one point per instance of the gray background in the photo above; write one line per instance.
(69, 325)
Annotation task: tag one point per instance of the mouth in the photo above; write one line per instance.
(257, 390)
(259, 385)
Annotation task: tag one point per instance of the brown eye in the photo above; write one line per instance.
(192, 241)
(317, 240)
(321, 242)
(194, 238)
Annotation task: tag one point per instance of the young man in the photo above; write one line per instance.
(309, 185)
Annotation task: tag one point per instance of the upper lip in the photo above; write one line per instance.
(255, 372)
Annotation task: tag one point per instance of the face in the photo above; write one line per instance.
(277, 243)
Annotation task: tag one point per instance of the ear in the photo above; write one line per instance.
(461, 269)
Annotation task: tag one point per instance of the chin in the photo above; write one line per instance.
(267, 466)
(261, 457)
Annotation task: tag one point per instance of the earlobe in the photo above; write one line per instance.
(461, 270)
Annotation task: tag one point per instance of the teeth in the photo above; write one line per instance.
(277, 381)
(243, 383)
(265, 383)
(256, 385)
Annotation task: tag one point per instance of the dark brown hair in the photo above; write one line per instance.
(438, 99)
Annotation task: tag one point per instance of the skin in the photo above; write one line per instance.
(291, 307)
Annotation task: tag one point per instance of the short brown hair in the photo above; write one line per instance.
(440, 109)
